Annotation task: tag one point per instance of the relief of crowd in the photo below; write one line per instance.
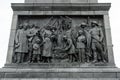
(34, 44)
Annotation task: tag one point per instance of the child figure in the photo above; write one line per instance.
(36, 51)
(81, 46)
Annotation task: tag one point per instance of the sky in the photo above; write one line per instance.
(6, 20)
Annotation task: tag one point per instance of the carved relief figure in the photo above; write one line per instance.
(47, 49)
(54, 37)
(21, 43)
(97, 37)
(37, 43)
(81, 46)
(36, 51)
(60, 41)
(31, 32)
(69, 48)
(84, 28)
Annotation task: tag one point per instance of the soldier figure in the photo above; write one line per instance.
(81, 46)
(87, 42)
(97, 38)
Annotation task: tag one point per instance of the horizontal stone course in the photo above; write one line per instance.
(61, 1)
(59, 79)
(60, 73)
(61, 7)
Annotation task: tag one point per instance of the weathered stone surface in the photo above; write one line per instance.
(61, 1)
(61, 7)
(105, 75)
(53, 71)
(61, 73)
(109, 39)
(14, 21)
(118, 74)
(60, 12)
(2, 75)
(12, 37)
(59, 79)
(10, 54)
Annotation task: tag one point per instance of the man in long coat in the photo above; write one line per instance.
(21, 43)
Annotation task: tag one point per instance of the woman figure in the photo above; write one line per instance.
(47, 49)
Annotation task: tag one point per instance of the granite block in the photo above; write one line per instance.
(118, 75)
(104, 75)
(81, 75)
(12, 37)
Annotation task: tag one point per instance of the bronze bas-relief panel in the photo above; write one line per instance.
(60, 40)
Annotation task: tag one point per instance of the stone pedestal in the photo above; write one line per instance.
(97, 11)
(37, 11)
(60, 74)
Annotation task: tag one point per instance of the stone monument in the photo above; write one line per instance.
(60, 39)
